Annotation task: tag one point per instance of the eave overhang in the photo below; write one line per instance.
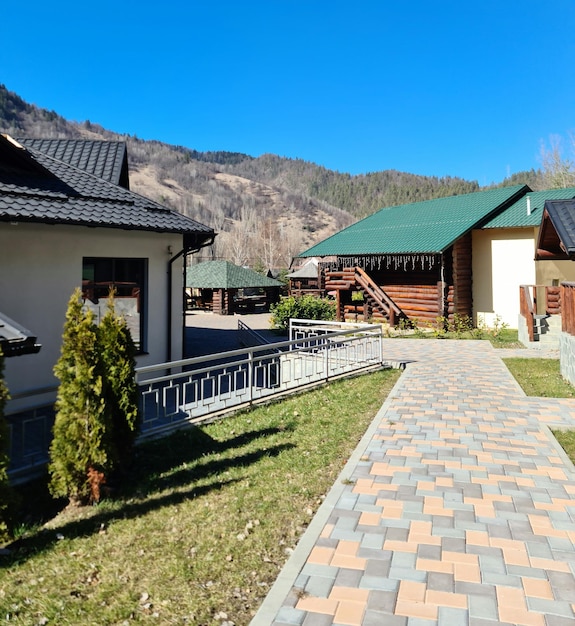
(15, 340)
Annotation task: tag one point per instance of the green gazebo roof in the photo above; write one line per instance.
(225, 275)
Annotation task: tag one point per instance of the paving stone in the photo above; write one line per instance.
(318, 619)
(450, 615)
(291, 616)
(301, 581)
(483, 606)
(425, 551)
(373, 542)
(397, 534)
(382, 601)
(379, 583)
(319, 587)
(378, 567)
(541, 550)
(375, 618)
(407, 573)
(505, 580)
(314, 569)
(557, 620)
(348, 578)
(563, 585)
(453, 544)
(440, 581)
(492, 563)
(475, 589)
(416, 621)
(468, 454)
(550, 607)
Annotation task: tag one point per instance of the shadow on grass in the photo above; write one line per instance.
(162, 474)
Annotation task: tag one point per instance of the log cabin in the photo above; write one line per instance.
(460, 256)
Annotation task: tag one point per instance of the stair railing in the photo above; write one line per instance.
(387, 305)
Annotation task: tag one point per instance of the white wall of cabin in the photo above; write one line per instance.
(502, 260)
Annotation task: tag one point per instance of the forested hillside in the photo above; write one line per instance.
(266, 209)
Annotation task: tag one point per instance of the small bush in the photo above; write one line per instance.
(303, 307)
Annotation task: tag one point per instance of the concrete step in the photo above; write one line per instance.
(546, 330)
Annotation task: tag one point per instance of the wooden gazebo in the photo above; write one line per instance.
(226, 288)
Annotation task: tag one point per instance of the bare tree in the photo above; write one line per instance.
(558, 170)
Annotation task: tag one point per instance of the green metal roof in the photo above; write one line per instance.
(225, 275)
(517, 215)
(420, 228)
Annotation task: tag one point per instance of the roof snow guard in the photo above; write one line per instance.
(15, 340)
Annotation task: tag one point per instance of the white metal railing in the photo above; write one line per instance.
(202, 388)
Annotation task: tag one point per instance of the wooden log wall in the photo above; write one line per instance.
(418, 302)
(460, 281)
(420, 294)
(553, 298)
(218, 301)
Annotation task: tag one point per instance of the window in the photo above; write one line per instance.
(129, 278)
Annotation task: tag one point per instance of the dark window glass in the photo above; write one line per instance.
(128, 278)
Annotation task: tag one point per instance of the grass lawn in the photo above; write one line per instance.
(204, 523)
(540, 377)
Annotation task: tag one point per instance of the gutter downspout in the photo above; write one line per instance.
(184, 252)
(170, 274)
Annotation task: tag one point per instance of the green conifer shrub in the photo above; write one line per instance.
(5, 491)
(82, 428)
(118, 357)
(97, 415)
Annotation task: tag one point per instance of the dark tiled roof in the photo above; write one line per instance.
(15, 339)
(35, 187)
(561, 215)
(105, 159)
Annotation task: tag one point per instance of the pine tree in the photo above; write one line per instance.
(82, 428)
(5, 491)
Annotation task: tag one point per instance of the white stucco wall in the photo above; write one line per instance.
(41, 265)
(503, 259)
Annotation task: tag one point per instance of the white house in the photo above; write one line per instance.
(504, 251)
(69, 220)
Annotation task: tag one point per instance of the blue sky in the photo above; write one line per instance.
(438, 88)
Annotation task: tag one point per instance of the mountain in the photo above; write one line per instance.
(265, 209)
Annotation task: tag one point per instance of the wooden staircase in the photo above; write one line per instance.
(376, 303)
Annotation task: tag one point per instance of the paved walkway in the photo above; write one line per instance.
(457, 508)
